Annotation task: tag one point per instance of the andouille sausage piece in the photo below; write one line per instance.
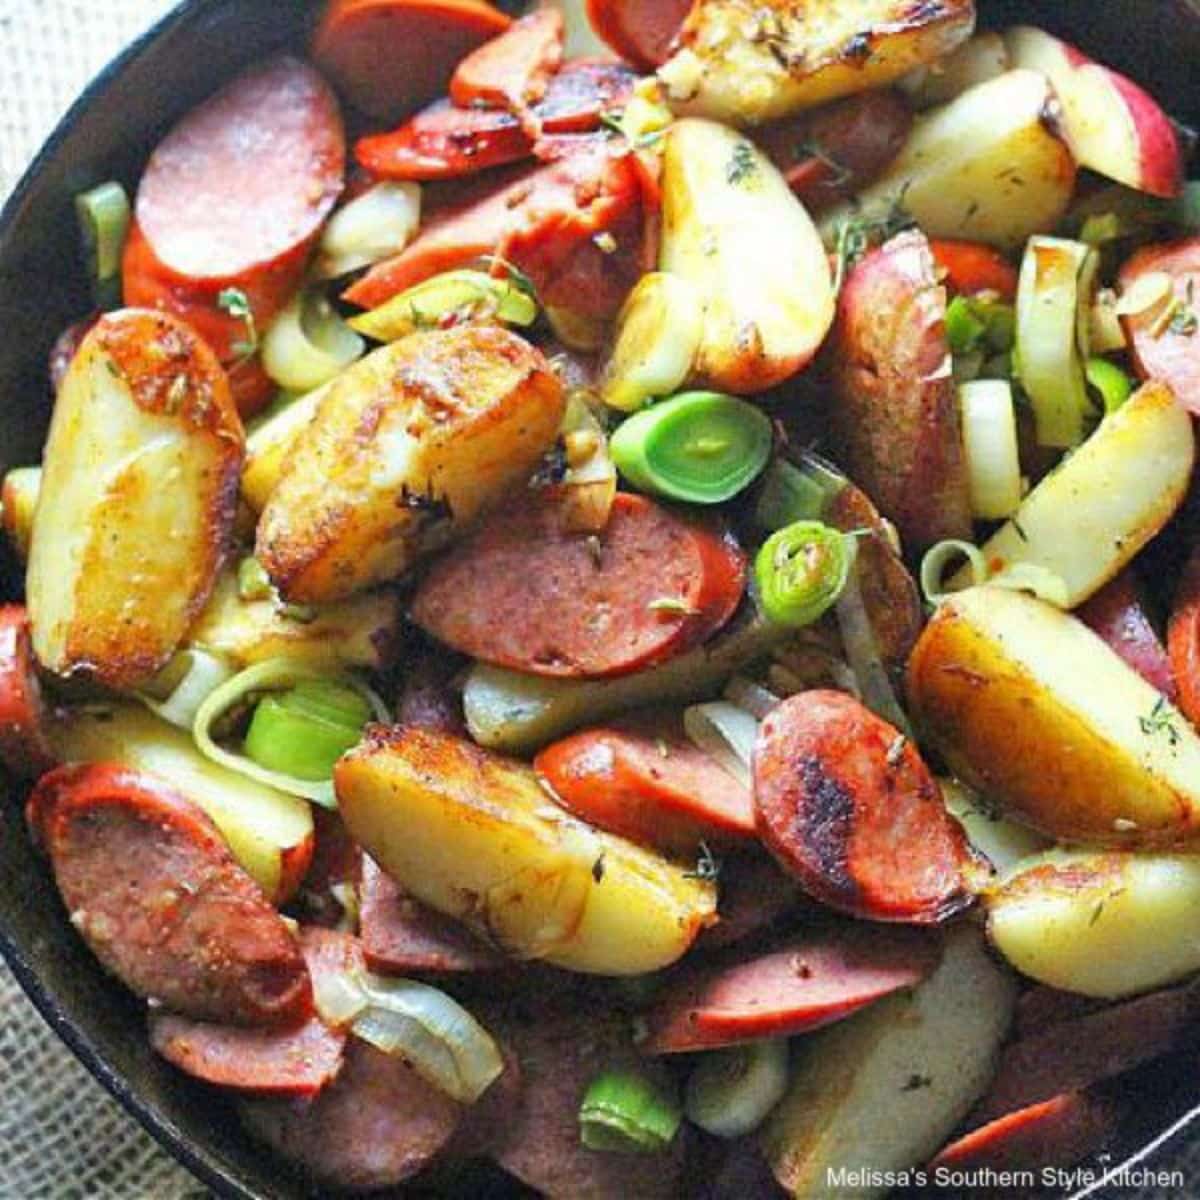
(968, 268)
(835, 151)
(1117, 612)
(754, 895)
(513, 70)
(525, 593)
(848, 807)
(1058, 1132)
(1166, 344)
(389, 57)
(401, 935)
(333, 873)
(234, 198)
(894, 410)
(1183, 639)
(428, 696)
(815, 978)
(643, 779)
(24, 748)
(378, 1124)
(640, 31)
(154, 891)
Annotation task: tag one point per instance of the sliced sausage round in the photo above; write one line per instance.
(1183, 639)
(388, 57)
(753, 896)
(153, 890)
(847, 806)
(640, 31)
(1166, 345)
(24, 748)
(643, 779)
(513, 70)
(817, 978)
(525, 593)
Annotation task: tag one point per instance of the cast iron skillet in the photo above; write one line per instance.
(107, 134)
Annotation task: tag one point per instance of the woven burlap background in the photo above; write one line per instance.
(61, 1136)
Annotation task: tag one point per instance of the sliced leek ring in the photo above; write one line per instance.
(309, 344)
(989, 427)
(373, 226)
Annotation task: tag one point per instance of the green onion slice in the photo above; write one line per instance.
(938, 558)
(731, 1092)
(178, 691)
(700, 447)
(104, 217)
(299, 739)
(308, 344)
(989, 428)
(625, 1111)
(792, 492)
(801, 571)
(273, 675)
(1114, 386)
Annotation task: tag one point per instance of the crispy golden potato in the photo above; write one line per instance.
(991, 166)
(1086, 521)
(358, 632)
(748, 62)
(407, 445)
(1102, 924)
(269, 447)
(268, 832)
(18, 502)
(1030, 707)
(138, 495)
(881, 1091)
(734, 231)
(476, 836)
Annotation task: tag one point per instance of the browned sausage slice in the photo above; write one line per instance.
(755, 895)
(1117, 612)
(894, 411)
(155, 893)
(523, 592)
(513, 70)
(639, 30)
(815, 979)
(400, 934)
(23, 745)
(848, 807)
(377, 1125)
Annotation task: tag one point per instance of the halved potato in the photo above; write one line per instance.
(268, 832)
(748, 63)
(137, 500)
(1087, 520)
(1101, 924)
(1029, 706)
(1003, 843)
(991, 166)
(358, 632)
(476, 836)
(982, 58)
(406, 446)
(269, 447)
(733, 229)
(880, 1092)
(18, 502)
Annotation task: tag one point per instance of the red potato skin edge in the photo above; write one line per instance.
(1117, 614)
(24, 749)
(1183, 640)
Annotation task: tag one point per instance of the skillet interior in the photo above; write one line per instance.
(108, 133)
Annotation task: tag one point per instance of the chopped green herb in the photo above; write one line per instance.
(1161, 720)
(841, 173)
(236, 303)
(916, 1082)
(516, 276)
(741, 163)
(708, 868)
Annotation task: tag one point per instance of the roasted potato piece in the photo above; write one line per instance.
(1106, 925)
(733, 229)
(406, 446)
(358, 632)
(18, 502)
(881, 1091)
(1033, 709)
(895, 411)
(1003, 843)
(139, 491)
(269, 447)
(991, 166)
(752, 62)
(982, 58)
(1087, 520)
(268, 832)
(476, 837)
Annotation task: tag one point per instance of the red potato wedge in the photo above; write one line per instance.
(830, 153)
(153, 890)
(848, 807)
(1058, 1132)
(644, 780)
(1166, 344)
(378, 1124)
(640, 31)
(65, 347)
(968, 268)
(401, 935)
(819, 977)
(894, 412)
(1183, 639)
(389, 57)
(24, 747)
(138, 498)
(524, 592)
(1117, 612)
(513, 70)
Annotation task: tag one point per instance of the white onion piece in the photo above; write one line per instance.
(989, 427)
(723, 732)
(751, 696)
(308, 345)
(433, 1033)
(203, 674)
(338, 997)
(590, 483)
(373, 226)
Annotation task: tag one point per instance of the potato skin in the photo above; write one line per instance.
(1034, 710)
(137, 499)
(406, 446)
